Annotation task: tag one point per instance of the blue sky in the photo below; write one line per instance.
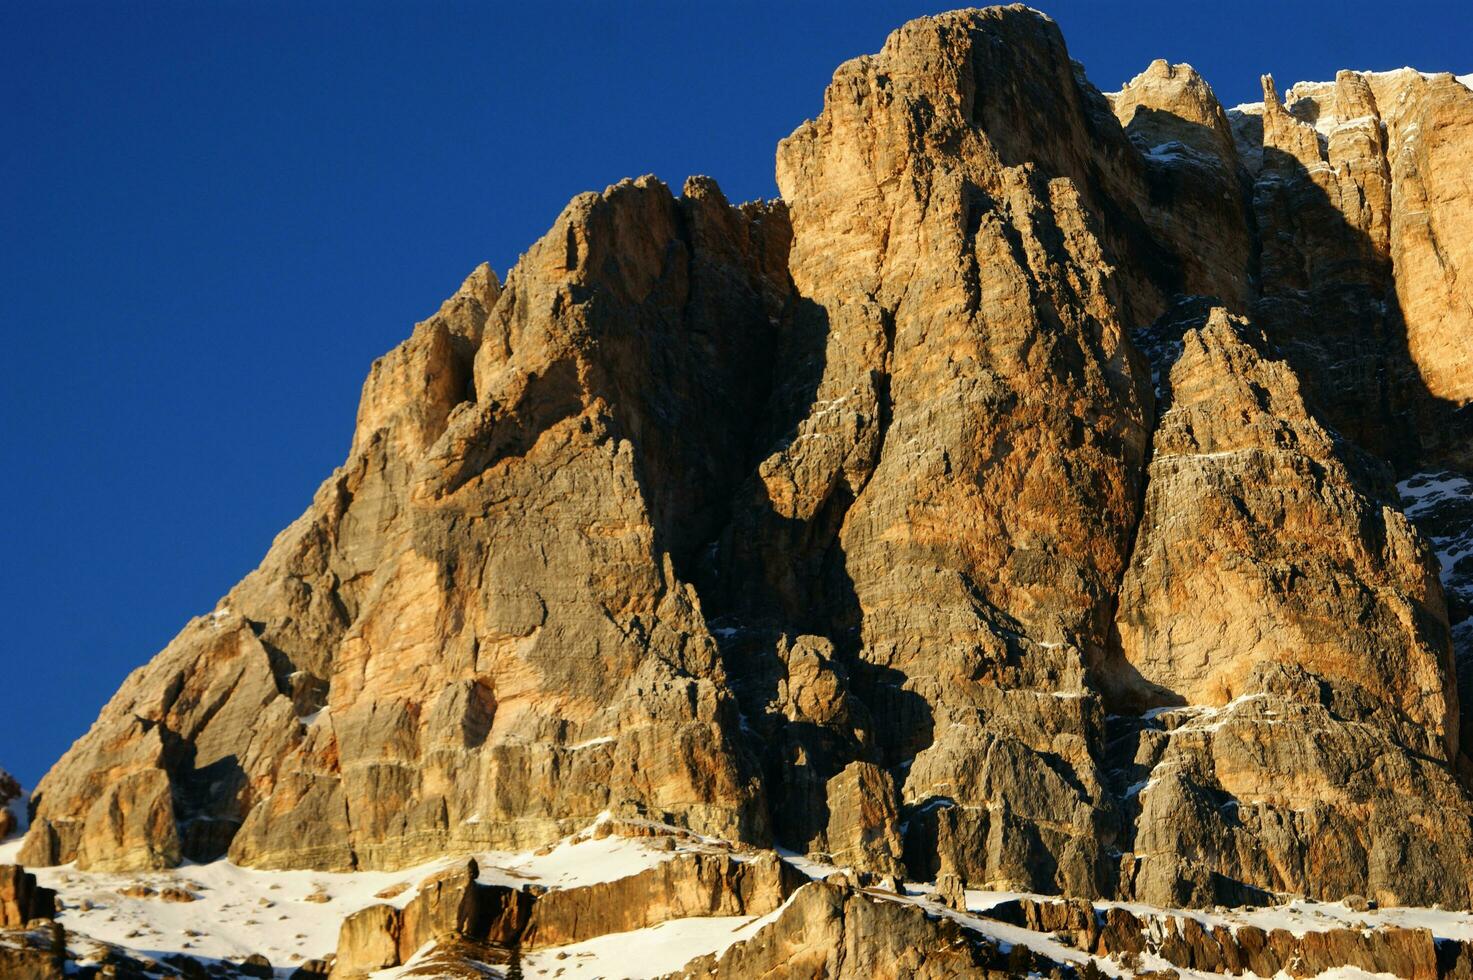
(215, 215)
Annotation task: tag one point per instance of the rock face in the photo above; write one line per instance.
(1238, 949)
(34, 954)
(454, 906)
(949, 502)
(21, 899)
(688, 885)
(830, 931)
(477, 635)
(1017, 503)
(1196, 203)
(1252, 504)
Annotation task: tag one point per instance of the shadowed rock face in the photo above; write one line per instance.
(1011, 504)
(1197, 202)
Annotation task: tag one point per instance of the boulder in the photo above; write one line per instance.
(21, 899)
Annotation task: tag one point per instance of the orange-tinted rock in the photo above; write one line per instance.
(893, 521)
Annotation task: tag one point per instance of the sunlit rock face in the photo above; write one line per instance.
(1054, 491)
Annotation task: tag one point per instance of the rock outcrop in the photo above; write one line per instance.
(1238, 949)
(1197, 201)
(10, 795)
(1016, 504)
(1251, 504)
(454, 906)
(21, 899)
(836, 932)
(34, 953)
(949, 504)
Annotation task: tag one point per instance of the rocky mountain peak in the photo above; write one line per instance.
(1035, 498)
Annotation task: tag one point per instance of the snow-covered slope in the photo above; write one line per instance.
(294, 916)
(289, 916)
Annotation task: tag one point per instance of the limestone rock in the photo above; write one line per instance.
(1297, 617)
(1237, 949)
(33, 953)
(368, 941)
(864, 820)
(797, 698)
(936, 501)
(1365, 220)
(1261, 542)
(131, 826)
(477, 635)
(1197, 201)
(834, 932)
(256, 965)
(21, 899)
(1362, 213)
(1440, 503)
(686, 885)
(1014, 504)
(10, 794)
(1278, 794)
(453, 905)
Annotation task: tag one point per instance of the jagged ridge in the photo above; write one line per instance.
(917, 519)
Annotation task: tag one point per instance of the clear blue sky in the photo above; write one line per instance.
(215, 215)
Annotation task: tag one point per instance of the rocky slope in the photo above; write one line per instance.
(1056, 491)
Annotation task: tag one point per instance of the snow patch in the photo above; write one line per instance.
(1423, 491)
(291, 916)
(590, 743)
(646, 953)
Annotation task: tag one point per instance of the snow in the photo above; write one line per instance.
(291, 916)
(1136, 789)
(1467, 80)
(571, 864)
(590, 743)
(1302, 916)
(238, 911)
(1174, 151)
(1423, 491)
(817, 870)
(1167, 151)
(979, 900)
(1430, 498)
(1200, 718)
(242, 911)
(1393, 72)
(1008, 935)
(652, 952)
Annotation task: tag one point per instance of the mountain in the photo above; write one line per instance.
(1055, 492)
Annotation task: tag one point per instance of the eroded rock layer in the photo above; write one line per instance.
(1016, 503)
